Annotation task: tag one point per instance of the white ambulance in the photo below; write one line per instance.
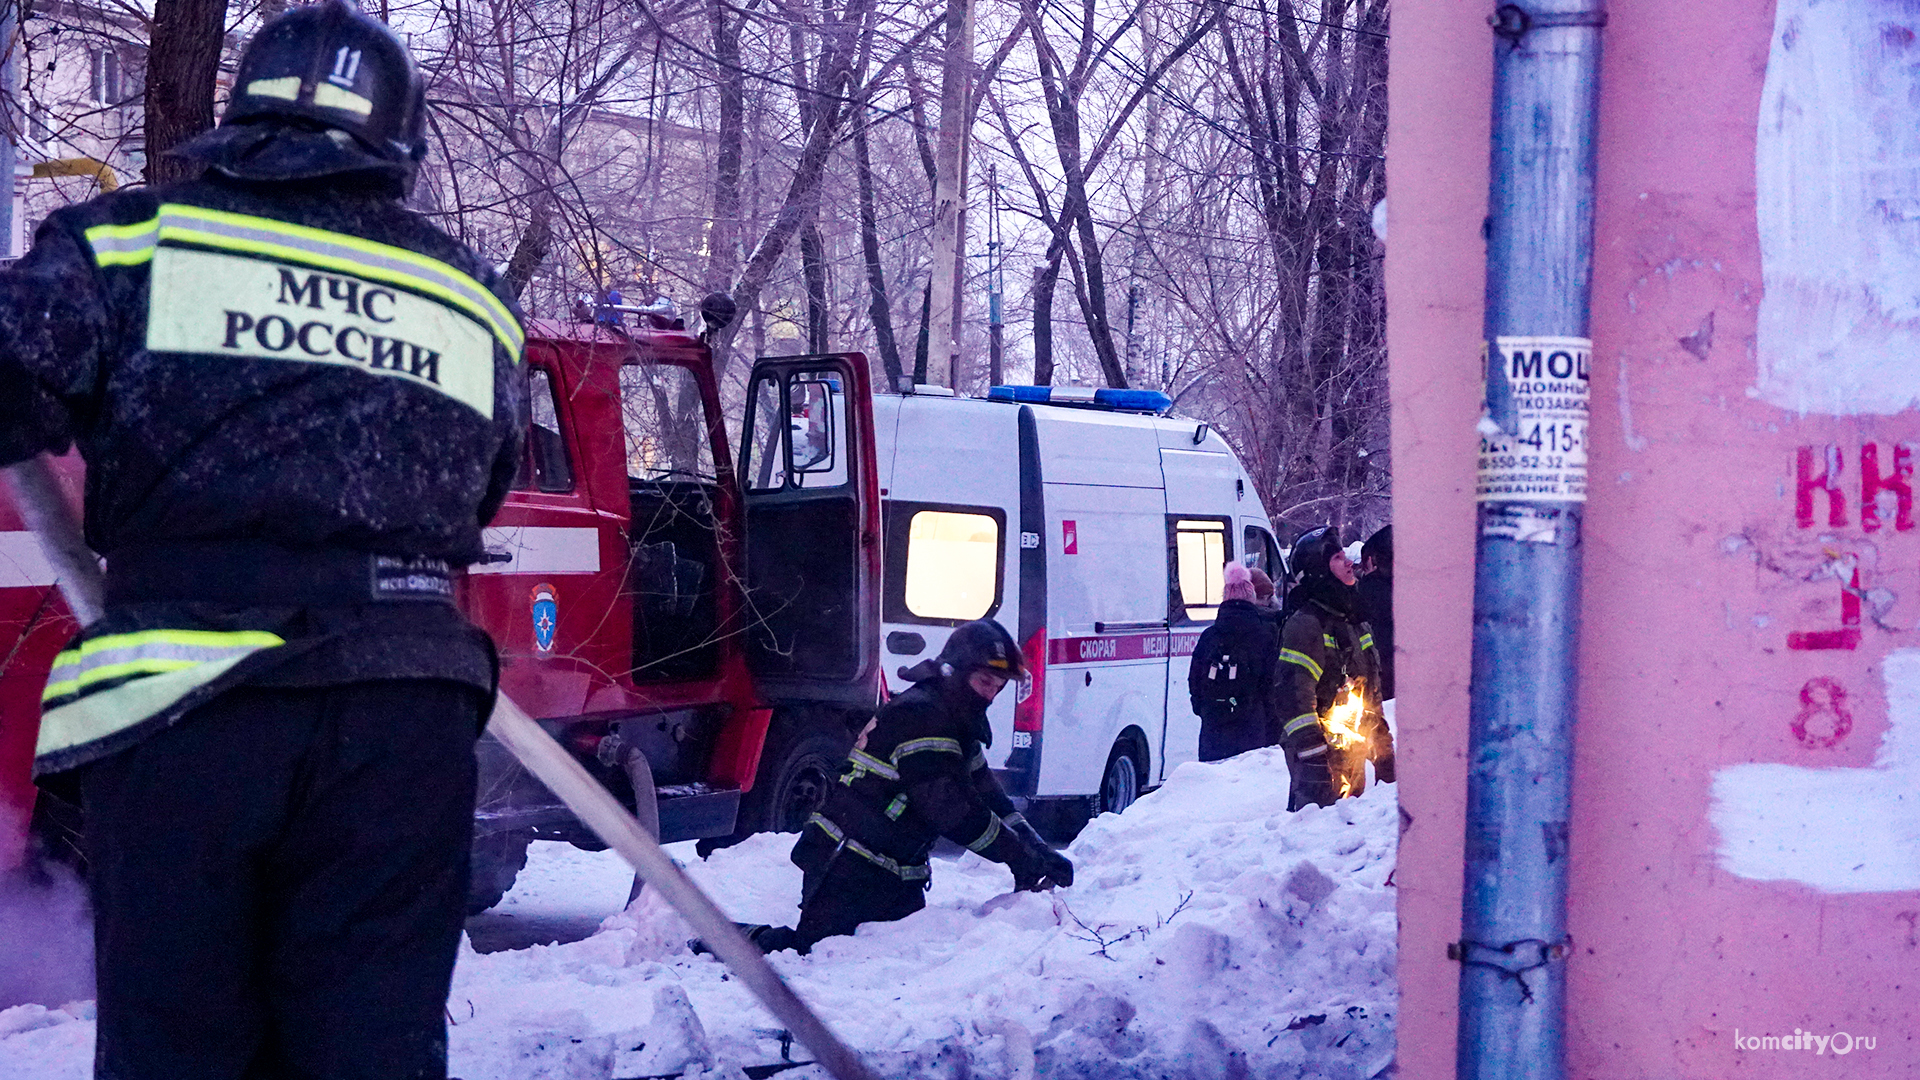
(1093, 528)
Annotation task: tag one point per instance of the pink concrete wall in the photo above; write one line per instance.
(1441, 75)
(1719, 651)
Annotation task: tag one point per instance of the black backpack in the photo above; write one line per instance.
(1228, 678)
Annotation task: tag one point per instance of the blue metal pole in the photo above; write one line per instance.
(1532, 491)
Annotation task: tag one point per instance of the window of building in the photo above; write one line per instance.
(106, 77)
(945, 563)
(544, 466)
(1197, 550)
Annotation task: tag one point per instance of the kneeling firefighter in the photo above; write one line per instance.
(917, 773)
(1328, 678)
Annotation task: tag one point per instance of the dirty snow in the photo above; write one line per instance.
(1209, 934)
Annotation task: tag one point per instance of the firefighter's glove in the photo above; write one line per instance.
(1059, 869)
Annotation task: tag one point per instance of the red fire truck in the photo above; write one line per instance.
(713, 645)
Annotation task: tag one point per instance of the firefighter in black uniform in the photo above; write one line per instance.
(299, 403)
(1327, 658)
(919, 772)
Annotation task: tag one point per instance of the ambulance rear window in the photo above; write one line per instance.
(944, 563)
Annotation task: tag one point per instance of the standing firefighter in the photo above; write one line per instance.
(1328, 681)
(1230, 681)
(298, 403)
(919, 772)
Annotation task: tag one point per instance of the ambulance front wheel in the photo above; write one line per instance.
(1126, 774)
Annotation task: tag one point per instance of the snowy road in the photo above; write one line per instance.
(1209, 934)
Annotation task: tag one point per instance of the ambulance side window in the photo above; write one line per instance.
(543, 464)
(1262, 553)
(944, 563)
(1197, 554)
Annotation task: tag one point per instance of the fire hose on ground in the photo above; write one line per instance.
(49, 515)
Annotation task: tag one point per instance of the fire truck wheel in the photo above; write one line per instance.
(794, 778)
(1120, 784)
(497, 860)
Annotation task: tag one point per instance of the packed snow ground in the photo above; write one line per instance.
(1209, 934)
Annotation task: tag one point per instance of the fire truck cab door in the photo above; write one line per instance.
(807, 469)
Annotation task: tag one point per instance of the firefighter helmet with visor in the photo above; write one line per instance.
(1312, 552)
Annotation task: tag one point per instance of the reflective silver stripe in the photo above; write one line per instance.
(1015, 820)
(1300, 723)
(126, 245)
(1295, 656)
(123, 245)
(979, 760)
(1366, 641)
(986, 839)
(1315, 752)
(864, 762)
(897, 807)
(918, 872)
(933, 743)
(147, 652)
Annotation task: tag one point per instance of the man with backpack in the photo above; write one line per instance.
(1230, 680)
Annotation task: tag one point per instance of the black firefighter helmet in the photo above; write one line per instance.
(1312, 552)
(320, 91)
(975, 646)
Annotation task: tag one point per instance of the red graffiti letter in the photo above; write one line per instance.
(1900, 482)
(1806, 482)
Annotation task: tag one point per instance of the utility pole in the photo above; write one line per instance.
(943, 308)
(1513, 949)
(995, 286)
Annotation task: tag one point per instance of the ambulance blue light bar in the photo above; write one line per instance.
(1085, 397)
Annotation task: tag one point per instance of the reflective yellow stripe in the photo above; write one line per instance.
(147, 652)
(1295, 656)
(919, 872)
(897, 807)
(1304, 720)
(1330, 643)
(932, 743)
(65, 728)
(128, 245)
(986, 838)
(1366, 641)
(152, 665)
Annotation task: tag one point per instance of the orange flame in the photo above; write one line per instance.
(1342, 722)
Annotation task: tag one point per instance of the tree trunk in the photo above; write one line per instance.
(723, 239)
(1044, 279)
(956, 78)
(879, 309)
(182, 60)
(813, 266)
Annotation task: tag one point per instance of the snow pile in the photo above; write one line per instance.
(1209, 934)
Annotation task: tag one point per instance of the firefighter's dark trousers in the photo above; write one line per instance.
(840, 896)
(279, 883)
